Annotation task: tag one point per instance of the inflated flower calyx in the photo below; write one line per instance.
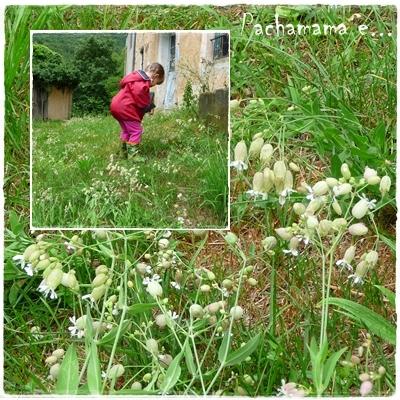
(240, 151)
(288, 184)
(344, 169)
(258, 182)
(69, 280)
(236, 312)
(116, 371)
(384, 185)
(227, 284)
(141, 268)
(165, 360)
(349, 254)
(269, 242)
(234, 105)
(339, 223)
(371, 176)
(205, 288)
(279, 172)
(98, 292)
(196, 311)
(342, 189)
(213, 308)
(154, 289)
(312, 222)
(255, 148)
(42, 264)
(101, 269)
(266, 153)
(59, 353)
(284, 233)
(252, 282)
(54, 278)
(320, 188)
(358, 229)
(258, 135)
(313, 206)
(294, 167)
(269, 179)
(371, 258)
(332, 182)
(51, 360)
(161, 321)
(54, 371)
(163, 243)
(152, 346)
(99, 280)
(299, 208)
(324, 227)
(136, 386)
(360, 209)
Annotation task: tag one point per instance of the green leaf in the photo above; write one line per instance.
(375, 323)
(113, 333)
(224, 348)
(388, 294)
(189, 359)
(330, 365)
(68, 377)
(241, 354)
(172, 375)
(141, 308)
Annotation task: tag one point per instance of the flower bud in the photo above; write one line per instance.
(196, 311)
(299, 208)
(231, 238)
(116, 371)
(284, 233)
(98, 292)
(99, 280)
(248, 379)
(320, 188)
(364, 377)
(240, 151)
(163, 243)
(385, 184)
(344, 169)
(210, 275)
(371, 176)
(360, 209)
(294, 167)
(236, 312)
(358, 229)
(342, 189)
(381, 370)
(336, 207)
(269, 243)
(154, 289)
(355, 360)
(266, 153)
(69, 280)
(234, 105)
(152, 346)
(255, 148)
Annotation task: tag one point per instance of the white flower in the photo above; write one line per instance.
(342, 263)
(310, 195)
(69, 246)
(90, 298)
(19, 260)
(181, 220)
(173, 315)
(176, 285)
(167, 234)
(154, 278)
(292, 252)
(148, 269)
(290, 390)
(238, 165)
(305, 239)
(371, 203)
(115, 310)
(284, 194)
(255, 194)
(225, 292)
(46, 290)
(74, 330)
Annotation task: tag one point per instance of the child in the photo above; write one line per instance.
(133, 100)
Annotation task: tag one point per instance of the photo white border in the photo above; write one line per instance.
(124, 31)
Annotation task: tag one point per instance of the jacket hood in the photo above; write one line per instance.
(134, 77)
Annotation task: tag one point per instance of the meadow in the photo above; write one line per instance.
(80, 178)
(298, 299)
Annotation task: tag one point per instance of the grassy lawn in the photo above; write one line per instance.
(178, 180)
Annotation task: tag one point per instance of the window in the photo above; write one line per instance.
(172, 52)
(221, 45)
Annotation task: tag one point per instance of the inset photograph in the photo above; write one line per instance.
(129, 129)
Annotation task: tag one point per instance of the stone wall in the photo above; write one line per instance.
(214, 108)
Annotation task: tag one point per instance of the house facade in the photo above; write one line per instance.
(201, 57)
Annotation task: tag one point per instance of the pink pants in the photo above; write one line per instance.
(131, 131)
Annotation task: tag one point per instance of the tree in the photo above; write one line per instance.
(95, 62)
